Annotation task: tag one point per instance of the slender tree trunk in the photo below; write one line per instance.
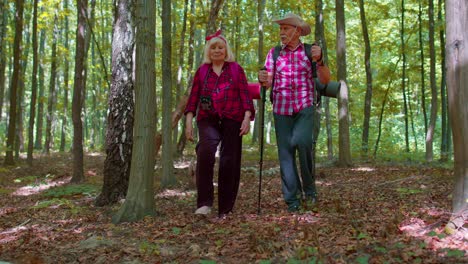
(261, 61)
(79, 86)
(14, 82)
(320, 38)
(422, 68)
(168, 177)
(3, 31)
(457, 84)
(183, 140)
(139, 201)
(180, 87)
(66, 88)
(432, 77)
(403, 78)
(41, 99)
(445, 142)
(344, 159)
(52, 91)
(213, 17)
(368, 100)
(32, 106)
(19, 138)
(119, 137)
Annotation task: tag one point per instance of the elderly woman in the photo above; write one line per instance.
(220, 99)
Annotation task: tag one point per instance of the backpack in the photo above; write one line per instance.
(276, 53)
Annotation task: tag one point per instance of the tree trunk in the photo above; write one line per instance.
(181, 55)
(320, 38)
(3, 31)
(14, 82)
(213, 18)
(52, 91)
(344, 159)
(261, 61)
(32, 107)
(432, 77)
(183, 140)
(139, 201)
(19, 138)
(40, 103)
(422, 69)
(403, 77)
(457, 84)
(119, 137)
(445, 141)
(368, 100)
(66, 88)
(168, 177)
(79, 87)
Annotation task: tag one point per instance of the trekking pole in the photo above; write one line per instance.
(262, 128)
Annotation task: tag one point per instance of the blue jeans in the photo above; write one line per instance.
(294, 135)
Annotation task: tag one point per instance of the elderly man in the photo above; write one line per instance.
(291, 77)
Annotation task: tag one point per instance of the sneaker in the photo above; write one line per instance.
(203, 210)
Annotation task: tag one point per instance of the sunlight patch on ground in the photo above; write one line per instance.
(37, 188)
(95, 154)
(182, 164)
(363, 169)
(174, 193)
(11, 234)
(433, 235)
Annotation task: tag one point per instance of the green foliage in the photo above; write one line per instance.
(72, 189)
(239, 22)
(455, 253)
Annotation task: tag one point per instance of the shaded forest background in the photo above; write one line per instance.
(405, 62)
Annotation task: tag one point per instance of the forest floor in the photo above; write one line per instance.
(370, 213)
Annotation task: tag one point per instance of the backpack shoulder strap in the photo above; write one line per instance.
(204, 70)
(234, 71)
(308, 52)
(276, 53)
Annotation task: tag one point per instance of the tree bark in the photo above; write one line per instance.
(40, 103)
(79, 87)
(432, 77)
(168, 177)
(52, 98)
(368, 98)
(14, 82)
(32, 106)
(457, 84)
(66, 88)
(119, 135)
(3, 31)
(403, 77)
(261, 61)
(445, 141)
(344, 159)
(139, 201)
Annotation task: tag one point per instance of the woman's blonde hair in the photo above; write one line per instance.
(213, 41)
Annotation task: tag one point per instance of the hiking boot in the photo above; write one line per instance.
(204, 210)
(311, 203)
(293, 208)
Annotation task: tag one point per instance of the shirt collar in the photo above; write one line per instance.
(298, 45)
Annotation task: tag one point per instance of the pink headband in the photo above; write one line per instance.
(217, 34)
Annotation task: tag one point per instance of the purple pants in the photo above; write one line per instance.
(212, 131)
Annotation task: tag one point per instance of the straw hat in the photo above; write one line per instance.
(294, 20)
